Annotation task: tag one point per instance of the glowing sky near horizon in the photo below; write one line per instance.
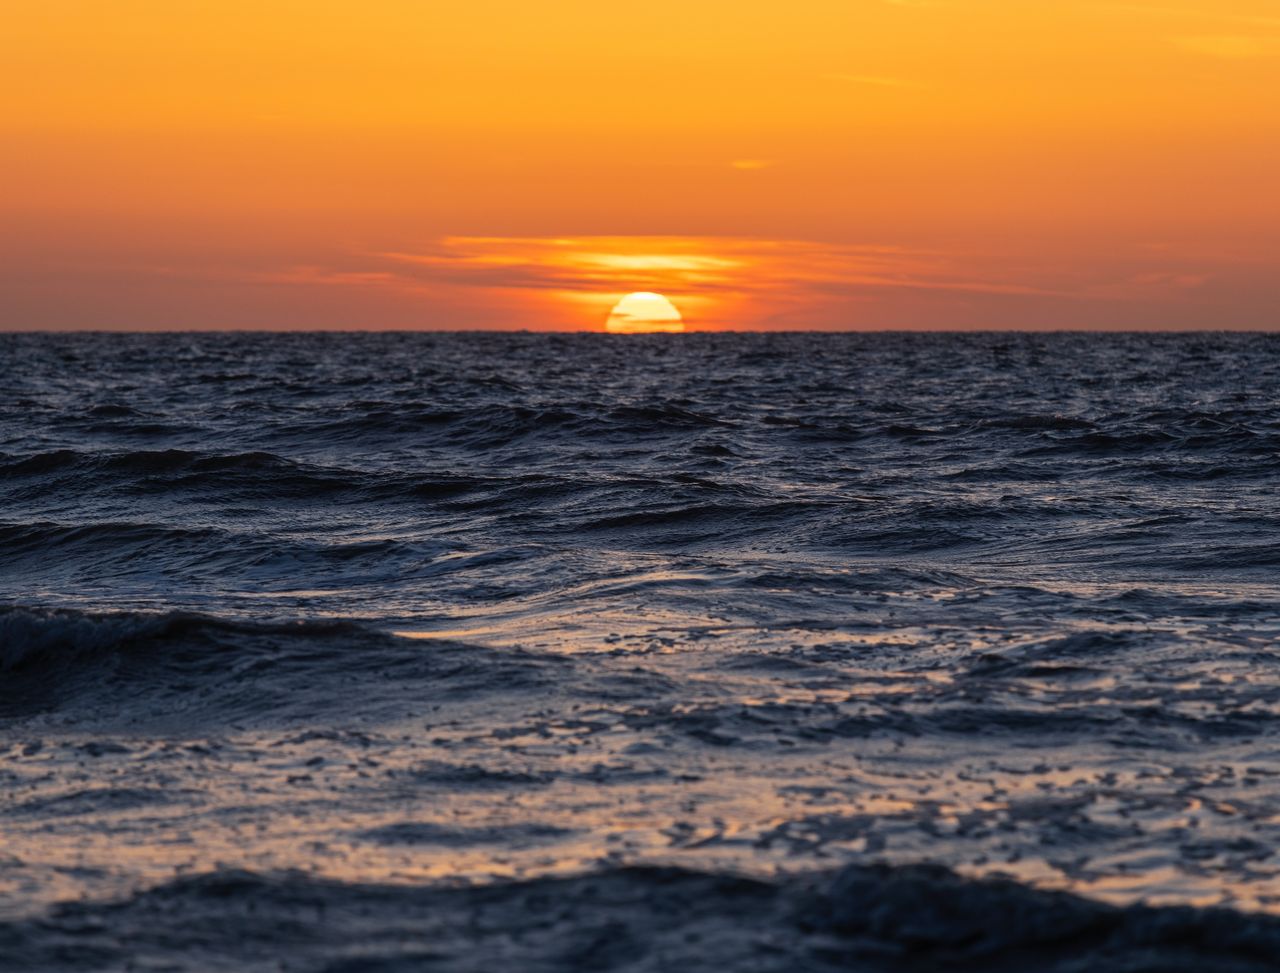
(823, 164)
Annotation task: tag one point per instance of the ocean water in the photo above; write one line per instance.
(483, 651)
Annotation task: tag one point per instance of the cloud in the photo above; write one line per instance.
(719, 279)
(1168, 279)
(592, 264)
(1225, 34)
(1218, 16)
(742, 282)
(714, 281)
(873, 80)
(1231, 46)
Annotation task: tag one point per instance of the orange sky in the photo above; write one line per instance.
(501, 163)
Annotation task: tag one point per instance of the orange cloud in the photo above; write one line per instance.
(718, 282)
(730, 282)
(876, 82)
(1231, 46)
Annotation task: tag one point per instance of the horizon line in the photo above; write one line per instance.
(1239, 329)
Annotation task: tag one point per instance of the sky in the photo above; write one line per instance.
(814, 164)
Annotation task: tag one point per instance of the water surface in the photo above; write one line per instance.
(398, 611)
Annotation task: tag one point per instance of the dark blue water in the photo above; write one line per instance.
(358, 618)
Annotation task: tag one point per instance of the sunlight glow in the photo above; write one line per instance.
(644, 312)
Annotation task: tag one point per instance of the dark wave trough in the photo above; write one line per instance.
(877, 920)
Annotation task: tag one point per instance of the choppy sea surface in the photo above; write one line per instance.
(515, 651)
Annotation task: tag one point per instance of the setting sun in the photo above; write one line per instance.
(644, 312)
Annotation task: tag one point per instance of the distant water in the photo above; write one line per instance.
(672, 650)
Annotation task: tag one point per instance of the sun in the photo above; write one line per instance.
(643, 312)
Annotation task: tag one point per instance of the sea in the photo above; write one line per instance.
(517, 651)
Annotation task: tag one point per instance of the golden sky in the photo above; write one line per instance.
(500, 163)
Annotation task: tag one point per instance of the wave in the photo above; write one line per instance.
(492, 425)
(143, 554)
(128, 668)
(873, 918)
(149, 472)
(118, 669)
(32, 637)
